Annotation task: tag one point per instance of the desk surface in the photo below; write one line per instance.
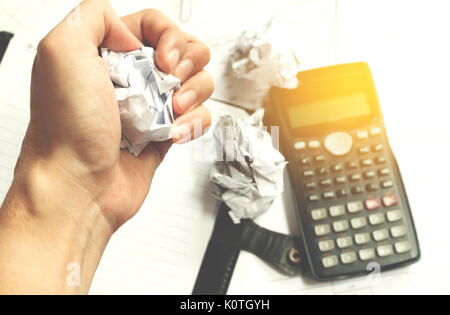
(404, 43)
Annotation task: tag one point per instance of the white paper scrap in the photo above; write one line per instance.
(144, 95)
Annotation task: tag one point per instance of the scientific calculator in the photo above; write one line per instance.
(352, 207)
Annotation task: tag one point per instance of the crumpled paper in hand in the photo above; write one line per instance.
(264, 56)
(144, 95)
(249, 170)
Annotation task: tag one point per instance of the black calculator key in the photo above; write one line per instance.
(369, 174)
(387, 184)
(363, 150)
(366, 162)
(326, 182)
(337, 168)
(351, 165)
(313, 198)
(308, 173)
(372, 187)
(355, 177)
(377, 148)
(380, 160)
(384, 172)
(319, 158)
(342, 192)
(356, 190)
(340, 180)
(305, 161)
(328, 195)
(322, 171)
(311, 185)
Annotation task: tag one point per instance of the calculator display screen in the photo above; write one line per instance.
(329, 110)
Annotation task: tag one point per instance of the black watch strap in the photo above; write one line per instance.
(228, 239)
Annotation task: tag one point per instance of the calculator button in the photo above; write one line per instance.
(351, 165)
(367, 254)
(360, 135)
(402, 247)
(394, 215)
(311, 185)
(344, 242)
(330, 261)
(362, 238)
(387, 184)
(355, 206)
(369, 174)
(319, 214)
(385, 250)
(355, 177)
(322, 171)
(380, 235)
(380, 160)
(322, 229)
(328, 195)
(372, 204)
(358, 223)
(340, 226)
(326, 246)
(348, 258)
(299, 145)
(319, 158)
(356, 190)
(372, 187)
(337, 211)
(308, 173)
(376, 219)
(377, 148)
(375, 131)
(366, 162)
(342, 192)
(314, 144)
(340, 180)
(398, 231)
(389, 201)
(313, 198)
(305, 161)
(337, 168)
(339, 143)
(363, 150)
(326, 182)
(384, 172)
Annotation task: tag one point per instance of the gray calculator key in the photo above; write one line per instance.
(380, 235)
(344, 242)
(336, 211)
(319, 214)
(348, 258)
(359, 223)
(326, 246)
(402, 247)
(376, 219)
(398, 231)
(385, 250)
(355, 206)
(330, 261)
(322, 229)
(362, 238)
(367, 254)
(340, 226)
(394, 215)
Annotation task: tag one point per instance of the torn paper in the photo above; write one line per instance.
(249, 170)
(144, 95)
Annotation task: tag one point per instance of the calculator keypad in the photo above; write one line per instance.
(363, 220)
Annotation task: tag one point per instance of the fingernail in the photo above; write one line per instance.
(186, 99)
(184, 69)
(181, 134)
(174, 58)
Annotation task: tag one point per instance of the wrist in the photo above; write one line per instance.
(47, 217)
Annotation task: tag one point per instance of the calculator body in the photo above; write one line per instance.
(352, 207)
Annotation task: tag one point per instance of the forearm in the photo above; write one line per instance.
(51, 240)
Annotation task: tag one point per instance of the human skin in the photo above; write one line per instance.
(73, 187)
